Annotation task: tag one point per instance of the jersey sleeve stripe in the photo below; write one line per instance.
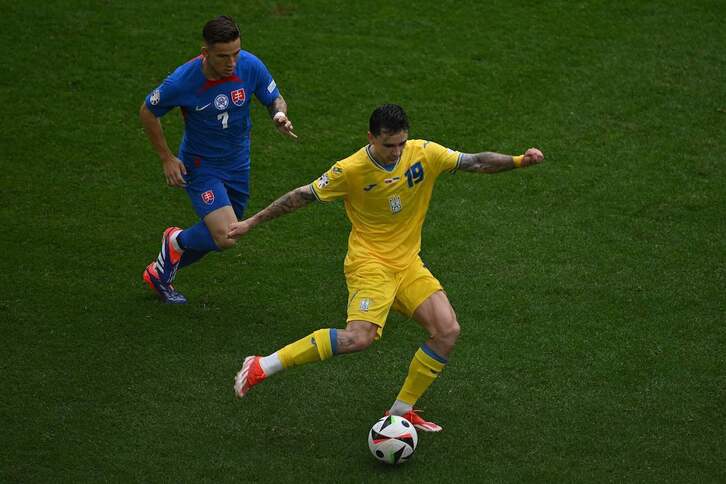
(458, 163)
(312, 189)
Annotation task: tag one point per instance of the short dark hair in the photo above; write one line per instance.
(222, 29)
(390, 118)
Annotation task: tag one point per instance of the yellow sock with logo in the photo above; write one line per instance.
(317, 346)
(425, 367)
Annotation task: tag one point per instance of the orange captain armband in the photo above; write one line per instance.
(517, 161)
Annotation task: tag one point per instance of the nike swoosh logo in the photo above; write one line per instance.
(203, 107)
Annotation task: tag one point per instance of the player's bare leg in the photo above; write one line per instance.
(437, 316)
(357, 336)
(318, 346)
(159, 275)
(218, 222)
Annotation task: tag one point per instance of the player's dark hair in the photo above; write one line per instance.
(390, 118)
(222, 29)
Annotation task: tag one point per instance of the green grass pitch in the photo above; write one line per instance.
(590, 289)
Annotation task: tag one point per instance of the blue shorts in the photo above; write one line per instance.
(212, 184)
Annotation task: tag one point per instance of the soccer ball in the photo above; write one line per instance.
(392, 439)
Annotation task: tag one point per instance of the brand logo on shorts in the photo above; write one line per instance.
(221, 102)
(365, 304)
(394, 203)
(208, 197)
(238, 97)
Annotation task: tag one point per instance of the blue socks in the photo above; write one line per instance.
(196, 241)
(189, 257)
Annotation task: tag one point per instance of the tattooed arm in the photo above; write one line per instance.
(489, 162)
(287, 203)
(278, 113)
(277, 106)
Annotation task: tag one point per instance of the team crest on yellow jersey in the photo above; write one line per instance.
(395, 203)
(386, 208)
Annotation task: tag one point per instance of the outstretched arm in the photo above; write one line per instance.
(287, 203)
(489, 162)
(278, 113)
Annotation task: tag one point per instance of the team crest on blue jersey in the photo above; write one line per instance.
(394, 203)
(208, 197)
(221, 102)
(155, 97)
(238, 96)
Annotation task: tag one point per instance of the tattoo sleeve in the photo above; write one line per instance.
(287, 203)
(277, 105)
(485, 162)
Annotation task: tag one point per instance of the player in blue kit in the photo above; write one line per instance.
(213, 91)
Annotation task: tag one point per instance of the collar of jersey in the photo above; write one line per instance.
(388, 168)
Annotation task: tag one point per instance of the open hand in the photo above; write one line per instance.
(174, 171)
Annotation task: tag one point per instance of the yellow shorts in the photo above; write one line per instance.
(373, 289)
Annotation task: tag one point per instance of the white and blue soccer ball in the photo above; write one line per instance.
(392, 439)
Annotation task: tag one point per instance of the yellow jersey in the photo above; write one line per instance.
(386, 207)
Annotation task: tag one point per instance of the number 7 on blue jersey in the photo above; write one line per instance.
(224, 117)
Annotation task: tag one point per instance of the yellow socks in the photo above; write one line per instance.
(318, 346)
(425, 367)
(321, 345)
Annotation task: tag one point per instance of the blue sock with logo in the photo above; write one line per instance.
(196, 241)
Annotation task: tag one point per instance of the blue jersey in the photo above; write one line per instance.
(216, 113)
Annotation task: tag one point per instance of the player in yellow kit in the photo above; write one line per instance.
(386, 187)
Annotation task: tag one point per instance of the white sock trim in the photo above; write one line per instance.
(400, 408)
(271, 364)
(174, 243)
